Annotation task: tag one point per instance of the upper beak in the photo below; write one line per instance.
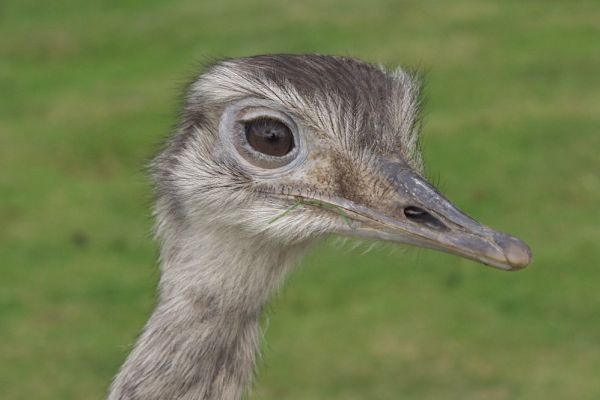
(414, 212)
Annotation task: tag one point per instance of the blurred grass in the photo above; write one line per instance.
(89, 89)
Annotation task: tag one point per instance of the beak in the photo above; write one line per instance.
(414, 212)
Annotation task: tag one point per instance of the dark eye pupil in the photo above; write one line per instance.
(269, 136)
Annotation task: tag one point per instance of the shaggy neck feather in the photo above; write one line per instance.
(202, 338)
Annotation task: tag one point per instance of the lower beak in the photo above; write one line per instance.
(416, 213)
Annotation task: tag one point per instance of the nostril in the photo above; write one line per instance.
(414, 212)
(421, 216)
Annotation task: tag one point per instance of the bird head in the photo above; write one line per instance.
(293, 147)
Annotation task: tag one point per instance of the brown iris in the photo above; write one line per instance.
(269, 136)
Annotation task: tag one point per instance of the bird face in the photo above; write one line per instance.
(309, 145)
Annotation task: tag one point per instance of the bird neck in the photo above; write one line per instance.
(203, 336)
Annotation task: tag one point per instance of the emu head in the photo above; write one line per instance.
(288, 148)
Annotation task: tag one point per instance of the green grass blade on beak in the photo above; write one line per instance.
(315, 203)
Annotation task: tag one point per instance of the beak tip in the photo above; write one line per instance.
(518, 254)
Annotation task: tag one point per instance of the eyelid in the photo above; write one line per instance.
(263, 117)
(254, 113)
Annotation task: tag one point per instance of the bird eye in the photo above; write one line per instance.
(264, 140)
(269, 136)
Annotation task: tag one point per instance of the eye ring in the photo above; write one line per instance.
(236, 121)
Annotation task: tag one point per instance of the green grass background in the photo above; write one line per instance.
(89, 88)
